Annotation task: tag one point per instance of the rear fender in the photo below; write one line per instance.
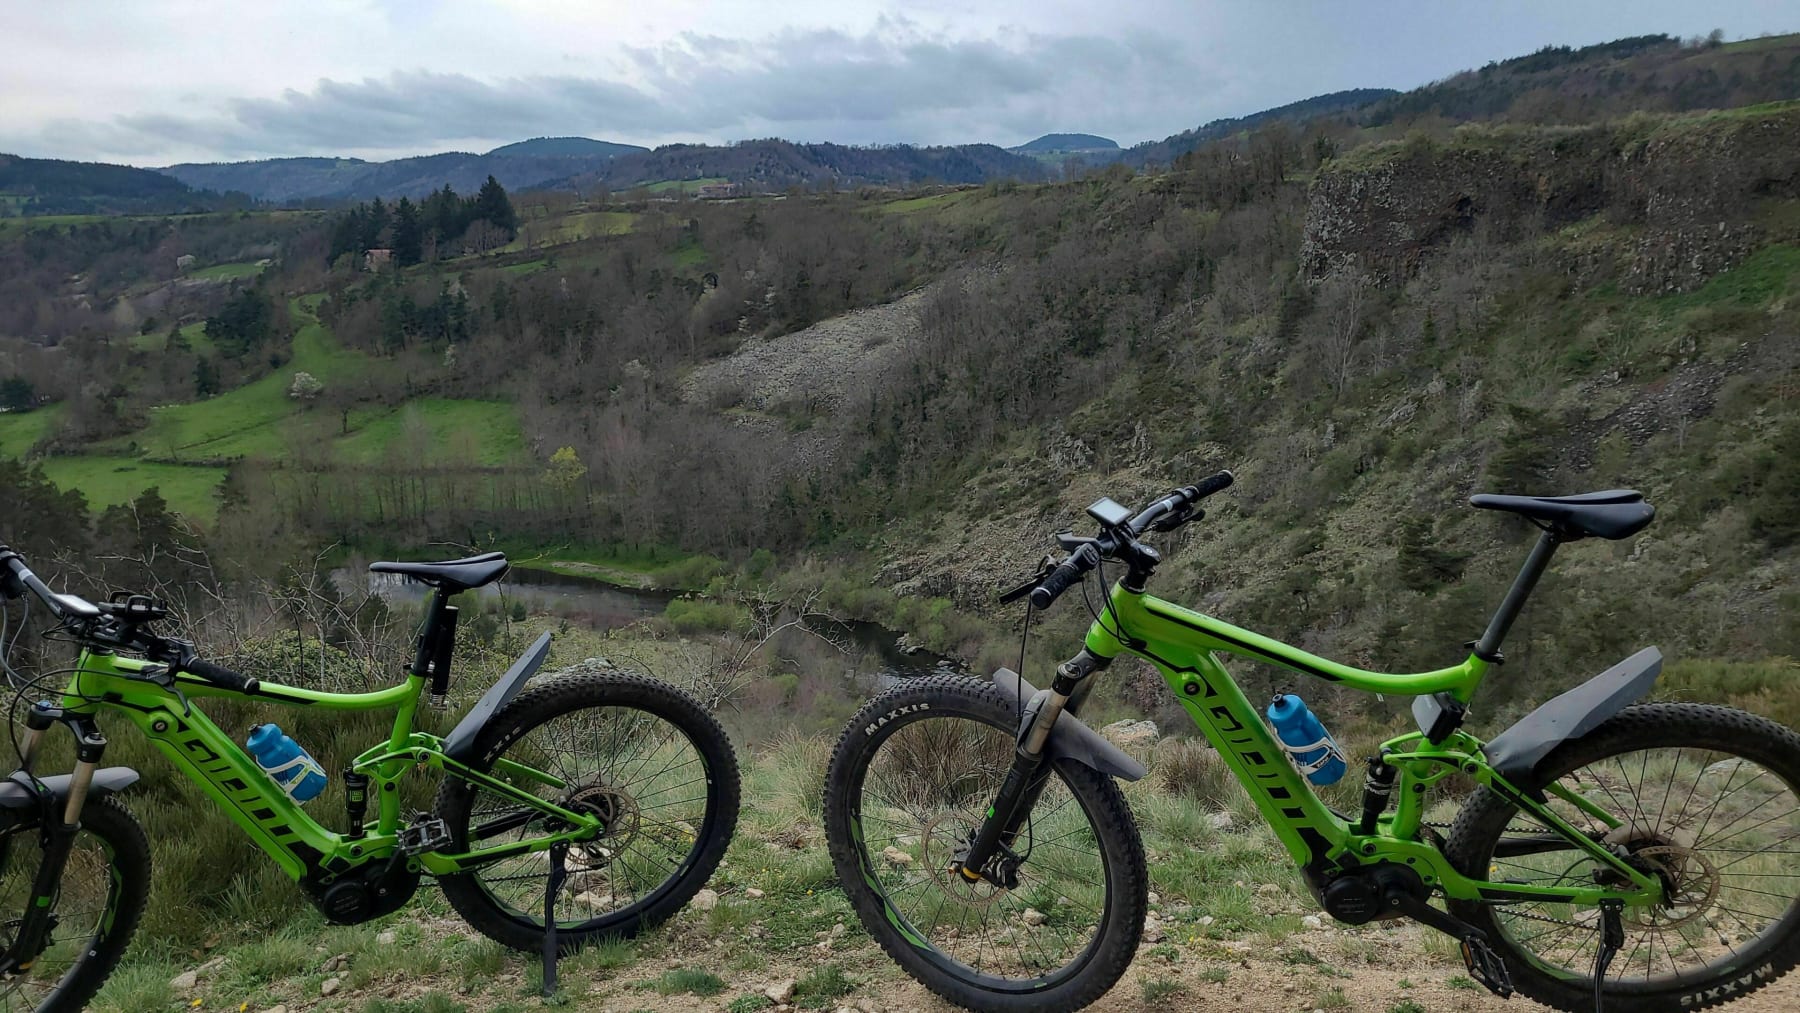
(1516, 752)
(1070, 738)
(459, 745)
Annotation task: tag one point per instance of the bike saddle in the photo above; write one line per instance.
(1618, 513)
(451, 575)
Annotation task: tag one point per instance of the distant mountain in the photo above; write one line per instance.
(49, 186)
(517, 166)
(1337, 103)
(564, 146)
(1067, 142)
(774, 164)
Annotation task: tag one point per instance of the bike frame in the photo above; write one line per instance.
(276, 823)
(1183, 645)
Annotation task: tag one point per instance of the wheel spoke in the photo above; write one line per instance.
(1678, 804)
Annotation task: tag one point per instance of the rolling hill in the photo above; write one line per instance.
(516, 166)
(1066, 142)
(1337, 103)
(566, 146)
(48, 186)
(774, 164)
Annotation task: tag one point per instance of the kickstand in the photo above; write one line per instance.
(1612, 938)
(552, 886)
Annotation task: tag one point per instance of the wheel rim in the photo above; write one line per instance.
(1721, 834)
(641, 775)
(928, 779)
(84, 903)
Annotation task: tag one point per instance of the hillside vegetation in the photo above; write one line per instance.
(1367, 331)
(45, 186)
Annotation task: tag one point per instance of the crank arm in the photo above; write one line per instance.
(1484, 964)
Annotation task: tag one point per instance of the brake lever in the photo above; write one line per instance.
(1045, 565)
(1178, 518)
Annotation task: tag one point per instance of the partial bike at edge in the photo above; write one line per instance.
(1611, 851)
(579, 807)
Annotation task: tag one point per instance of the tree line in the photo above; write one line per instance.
(439, 226)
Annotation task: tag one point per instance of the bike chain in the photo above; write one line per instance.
(1507, 907)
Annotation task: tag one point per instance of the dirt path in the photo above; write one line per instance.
(1252, 983)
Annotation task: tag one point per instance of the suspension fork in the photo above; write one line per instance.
(56, 831)
(1029, 773)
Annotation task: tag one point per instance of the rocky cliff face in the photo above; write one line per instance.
(1678, 199)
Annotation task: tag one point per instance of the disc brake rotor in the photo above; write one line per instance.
(939, 845)
(619, 818)
(1690, 885)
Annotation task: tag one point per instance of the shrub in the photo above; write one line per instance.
(694, 615)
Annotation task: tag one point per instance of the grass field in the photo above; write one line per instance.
(229, 272)
(158, 340)
(571, 229)
(934, 202)
(20, 225)
(106, 481)
(465, 432)
(244, 422)
(19, 430)
(684, 185)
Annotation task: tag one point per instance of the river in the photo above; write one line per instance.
(872, 650)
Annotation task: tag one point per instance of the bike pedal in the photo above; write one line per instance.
(429, 834)
(1487, 967)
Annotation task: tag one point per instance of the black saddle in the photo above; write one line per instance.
(1617, 513)
(451, 575)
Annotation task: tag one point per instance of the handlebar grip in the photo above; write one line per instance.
(1060, 579)
(220, 676)
(1213, 483)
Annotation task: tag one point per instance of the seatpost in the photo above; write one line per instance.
(427, 645)
(1488, 647)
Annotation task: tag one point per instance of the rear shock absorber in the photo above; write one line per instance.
(356, 801)
(1377, 786)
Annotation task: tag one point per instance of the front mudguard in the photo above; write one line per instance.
(1516, 752)
(107, 780)
(1070, 738)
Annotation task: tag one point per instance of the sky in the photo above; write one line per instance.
(155, 82)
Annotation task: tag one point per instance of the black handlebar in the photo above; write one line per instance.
(114, 625)
(1070, 571)
(1066, 574)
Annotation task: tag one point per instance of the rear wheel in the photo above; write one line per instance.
(97, 905)
(645, 758)
(909, 784)
(1706, 799)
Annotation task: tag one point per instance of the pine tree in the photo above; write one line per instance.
(409, 234)
(206, 377)
(492, 205)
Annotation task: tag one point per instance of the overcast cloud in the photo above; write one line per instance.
(159, 81)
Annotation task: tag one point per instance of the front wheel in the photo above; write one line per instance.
(1705, 799)
(645, 758)
(104, 885)
(909, 783)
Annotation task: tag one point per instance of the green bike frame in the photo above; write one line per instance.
(1184, 646)
(303, 848)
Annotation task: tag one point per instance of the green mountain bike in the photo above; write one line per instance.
(580, 807)
(1610, 851)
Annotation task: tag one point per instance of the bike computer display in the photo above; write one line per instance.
(1108, 513)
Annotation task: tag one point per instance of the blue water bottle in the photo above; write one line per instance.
(282, 759)
(1313, 749)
